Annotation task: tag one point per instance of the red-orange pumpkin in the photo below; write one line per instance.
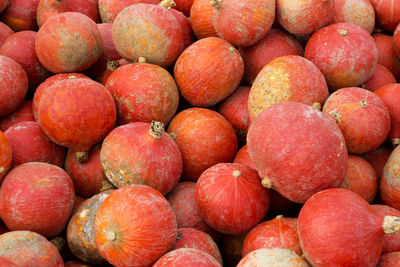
(187, 257)
(5, 155)
(387, 13)
(386, 54)
(5, 32)
(201, 19)
(22, 113)
(378, 158)
(382, 76)
(272, 257)
(109, 9)
(359, 12)
(391, 243)
(390, 181)
(20, 15)
(184, 6)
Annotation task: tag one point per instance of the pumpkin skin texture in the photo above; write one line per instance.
(243, 157)
(109, 9)
(359, 12)
(390, 260)
(184, 205)
(390, 95)
(363, 118)
(382, 76)
(37, 251)
(5, 32)
(184, 6)
(201, 19)
(303, 17)
(202, 146)
(276, 43)
(277, 233)
(349, 60)
(5, 155)
(386, 54)
(49, 8)
(271, 257)
(288, 78)
(243, 23)
(390, 181)
(46, 203)
(187, 257)
(88, 177)
(303, 137)
(396, 41)
(4, 262)
(149, 31)
(20, 15)
(378, 158)
(141, 153)
(78, 201)
(30, 144)
(391, 243)
(80, 229)
(156, 99)
(21, 47)
(14, 85)
(204, 84)
(353, 240)
(188, 37)
(387, 13)
(361, 178)
(82, 106)
(193, 238)
(68, 42)
(231, 198)
(22, 113)
(134, 226)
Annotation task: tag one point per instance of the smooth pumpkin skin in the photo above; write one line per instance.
(5, 32)
(37, 250)
(22, 113)
(359, 12)
(187, 257)
(390, 182)
(391, 243)
(390, 260)
(109, 9)
(49, 8)
(270, 257)
(201, 19)
(5, 262)
(378, 158)
(135, 226)
(387, 13)
(386, 54)
(203, 84)
(381, 77)
(20, 15)
(82, 106)
(184, 6)
(396, 41)
(5, 155)
(202, 146)
(68, 42)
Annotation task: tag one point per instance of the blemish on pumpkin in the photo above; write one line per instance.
(83, 213)
(363, 103)
(336, 116)
(343, 32)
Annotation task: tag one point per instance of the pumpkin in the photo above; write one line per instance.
(359, 12)
(5, 32)
(5, 155)
(387, 13)
(270, 257)
(389, 185)
(390, 260)
(382, 76)
(22, 113)
(20, 15)
(386, 54)
(201, 19)
(187, 257)
(109, 9)
(391, 243)
(378, 158)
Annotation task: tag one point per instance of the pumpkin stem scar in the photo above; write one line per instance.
(156, 129)
(216, 3)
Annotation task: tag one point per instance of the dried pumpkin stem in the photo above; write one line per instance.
(142, 60)
(156, 129)
(236, 173)
(391, 225)
(363, 103)
(395, 141)
(266, 183)
(111, 236)
(167, 4)
(105, 185)
(316, 105)
(112, 65)
(82, 157)
(216, 3)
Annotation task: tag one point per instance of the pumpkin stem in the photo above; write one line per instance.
(391, 225)
(279, 217)
(395, 141)
(111, 236)
(336, 116)
(266, 183)
(58, 242)
(167, 4)
(142, 60)
(105, 185)
(316, 105)
(156, 129)
(82, 157)
(72, 77)
(216, 3)
(237, 173)
(112, 65)
(343, 32)
(363, 103)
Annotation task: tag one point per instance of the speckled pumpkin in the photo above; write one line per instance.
(201, 19)
(5, 155)
(184, 6)
(271, 257)
(387, 13)
(288, 78)
(109, 9)
(187, 257)
(345, 53)
(386, 54)
(391, 243)
(359, 12)
(20, 15)
(390, 181)
(391, 259)
(134, 226)
(68, 42)
(382, 76)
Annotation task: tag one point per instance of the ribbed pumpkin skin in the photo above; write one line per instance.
(30, 144)
(135, 226)
(5, 155)
(391, 243)
(243, 23)
(363, 118)
(390, 181)
(21, 47)
(13, 87)
(202, 146)
(271, 257)
(390, 94)
(187, 257)
(131, 155)
(301, 17)
(68, 42)
(208, 71)
(201, 19)
(193, 238)
(382, 76)
(150, 31)
(184, 6)
(386, 54)
(49, 8)
(37, 251)
(350, 58)
(22, 113)
(38, 197)
(361, 178)
(288, 78)
(80, 229)
(276, 43)
(276, 233)
(290, 134)
(109, 9)
(88, 177)
(230, 203)
(83, 107)
(143, 92)
(20, 15)
(5, 32)
(326, 239)
(387, 13)
(359, 12)
(378, 158)
(390, 260)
